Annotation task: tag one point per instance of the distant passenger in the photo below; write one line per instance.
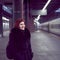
(19, 46)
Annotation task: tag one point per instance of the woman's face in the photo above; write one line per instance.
(22, 25)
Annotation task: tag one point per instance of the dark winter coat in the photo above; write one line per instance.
(19, 41)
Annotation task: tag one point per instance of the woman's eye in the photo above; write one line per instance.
(21, 24)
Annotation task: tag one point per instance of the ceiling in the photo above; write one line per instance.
(38, 5)
(51, 8)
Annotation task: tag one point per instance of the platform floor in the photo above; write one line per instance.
(45, 46)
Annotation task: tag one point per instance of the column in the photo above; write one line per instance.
(1, 22)
(17, 9)
(29, 19)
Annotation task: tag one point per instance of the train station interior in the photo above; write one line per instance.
(42, 18)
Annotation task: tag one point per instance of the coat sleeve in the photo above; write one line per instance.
(11, 39)
(29, 43)
(10, 47)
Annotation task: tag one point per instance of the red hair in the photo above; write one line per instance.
(17, 22)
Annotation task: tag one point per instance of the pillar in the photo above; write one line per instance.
(28, 17)
(17, 9)
(1, 22)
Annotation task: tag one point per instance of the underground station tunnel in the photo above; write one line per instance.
(42, 18)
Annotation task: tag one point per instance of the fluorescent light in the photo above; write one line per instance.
(38, 17)
(7, 9)
(4, 18)
(46, 4)
(43, 9)
(58, 10)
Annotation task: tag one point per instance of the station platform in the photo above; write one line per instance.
(45, 46)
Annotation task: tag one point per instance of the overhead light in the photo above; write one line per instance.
(4, 18)
(58, 10)
(7, 9)
(44, 8)
(46, 4)
(38, 17)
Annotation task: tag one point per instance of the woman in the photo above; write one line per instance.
(19, 41)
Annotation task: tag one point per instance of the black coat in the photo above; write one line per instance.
(19, 41)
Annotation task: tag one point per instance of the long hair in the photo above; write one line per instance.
(17, 22)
